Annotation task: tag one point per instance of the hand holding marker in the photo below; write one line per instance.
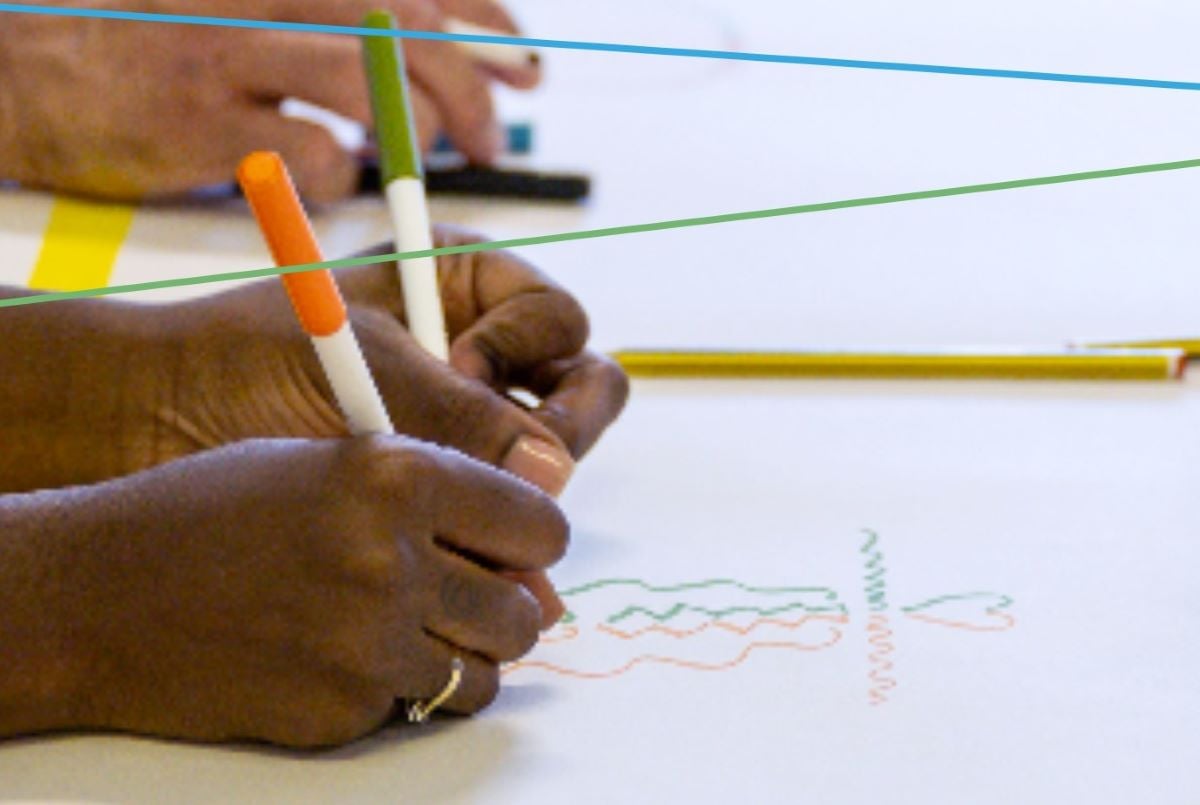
(322, 313)
(492, 53)
(315, 297)
(402, 179)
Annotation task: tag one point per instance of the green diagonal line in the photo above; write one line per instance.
(588, 234)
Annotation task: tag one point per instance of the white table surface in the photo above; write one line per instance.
(1073, 501)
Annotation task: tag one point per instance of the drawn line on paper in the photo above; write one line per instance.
(823, 606)
(562, 635)
(879, 633)
(717, 624)
(689, 586)
(603, 47)
(693, 665)
(876, 574)
(999, 620)
(677, 610)
(879, 636)
(878, 629)
(588, 234)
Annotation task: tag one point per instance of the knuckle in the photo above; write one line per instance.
(461, 598)
(456, 235)
(380, 466)
(466, 417)
(360, 657)
(499, 343)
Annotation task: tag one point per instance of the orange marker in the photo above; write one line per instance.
(314, 294)
(319, 306)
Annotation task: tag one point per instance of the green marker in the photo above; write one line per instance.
(403, 182)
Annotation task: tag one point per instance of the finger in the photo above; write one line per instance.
(525, 331)
(480, 12)
(493, 17)
(541, 588)
(482, 611)
(322, 169)
(460, 91)
(508, 317)
(478, 683)
(442, 69)
(428, 399)
(581, 397)
(318, 68)
(489, 516)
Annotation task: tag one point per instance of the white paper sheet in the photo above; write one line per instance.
(1016, 630)
(1038, 543)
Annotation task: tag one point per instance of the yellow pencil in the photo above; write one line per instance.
(1076, 364)
(1189, 345)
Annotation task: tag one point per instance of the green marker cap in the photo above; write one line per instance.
(395, 128)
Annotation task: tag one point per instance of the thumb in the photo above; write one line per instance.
(430, 400)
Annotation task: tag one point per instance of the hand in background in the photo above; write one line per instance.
(127, 110)
(280, 590)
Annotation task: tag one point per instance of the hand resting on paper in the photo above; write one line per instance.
(126, 110)
(287, 590)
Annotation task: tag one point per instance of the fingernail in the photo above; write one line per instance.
(547, 466)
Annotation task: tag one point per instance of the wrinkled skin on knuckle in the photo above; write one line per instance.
(461, 599)
(466, 415)
(377, 469)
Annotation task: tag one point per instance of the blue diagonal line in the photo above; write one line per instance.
(604, 47)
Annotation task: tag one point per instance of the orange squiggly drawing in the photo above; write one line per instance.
(879, 635)
(561, 634)
(681, 663)
(701, 626)
(949, 610)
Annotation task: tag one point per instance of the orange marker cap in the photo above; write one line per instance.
(285, 226)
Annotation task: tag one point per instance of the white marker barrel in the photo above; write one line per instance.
(352, 383)
(419, 278)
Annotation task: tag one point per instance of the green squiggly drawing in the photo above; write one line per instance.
(876, 588)
(827, 600)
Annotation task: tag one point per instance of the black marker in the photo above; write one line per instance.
(493, 182)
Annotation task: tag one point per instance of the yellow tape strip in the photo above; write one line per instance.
(81, 244)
